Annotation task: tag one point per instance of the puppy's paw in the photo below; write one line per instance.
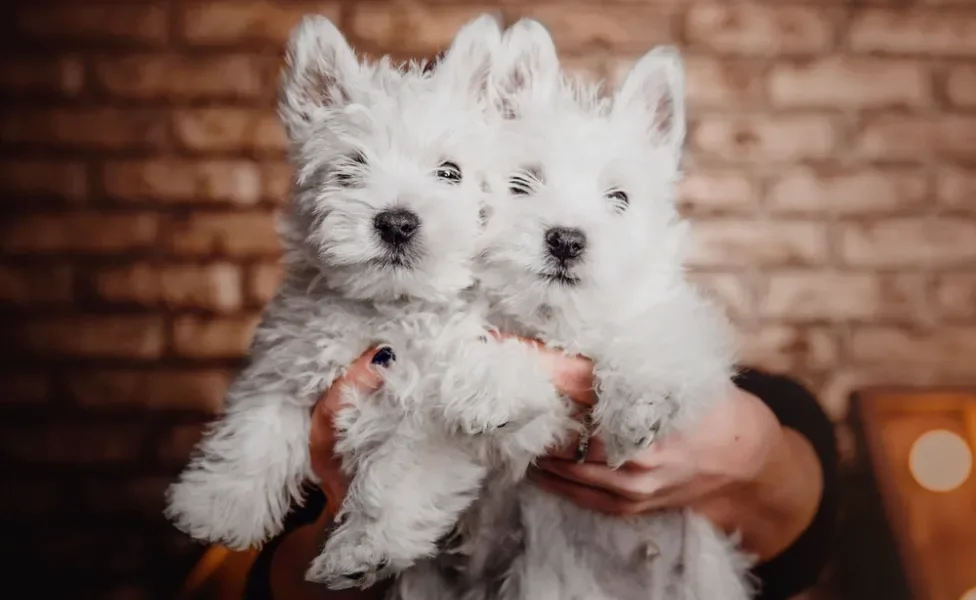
(473, 421)
(350, 559)
(628, 428)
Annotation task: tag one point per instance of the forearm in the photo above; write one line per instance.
(780, 503)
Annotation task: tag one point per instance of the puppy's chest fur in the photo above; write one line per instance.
(312, 333)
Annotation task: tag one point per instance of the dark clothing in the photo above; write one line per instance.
(794, 570)
(798, 567)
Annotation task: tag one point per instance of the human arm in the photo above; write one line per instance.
(762, 462)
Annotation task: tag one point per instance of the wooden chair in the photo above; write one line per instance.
(928, 535)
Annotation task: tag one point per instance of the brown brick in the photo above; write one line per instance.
(186, 78)
(95, 21)
(711, 82)
(866, 192)
(86, 233)
(169, 389)
(913, 32)
(199, 337)
(741, 243)
(177, 443)
(64, 76)
(729, 290)
(758, 30)
(408, 28)
(142, 496)
(118, 336)
(842, 81)
(956, 189)
(723, 83)
(247, 21)
(227, 129)
(26, 388)
(909, 242)
(951, 347)
(263, 281)
(277, 179)
(212, 287)
(783, 348)
(960, 85)
(764, 138)
(35, 286)
(827, 296)
(74, 443)
(580, 25)
(719, 191)
(231, 234)
(955, 295)
(85, 128)
(916, 138)
(21, 180)
(183, 181)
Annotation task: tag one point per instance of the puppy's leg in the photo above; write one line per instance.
(246, 473)
(406, 495)
(503, 388)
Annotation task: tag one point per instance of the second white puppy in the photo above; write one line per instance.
(586, 252)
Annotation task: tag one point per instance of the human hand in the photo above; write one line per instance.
(361, 374)
(706, 469)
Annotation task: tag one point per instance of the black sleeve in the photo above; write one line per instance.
(799, 566)
(259, 577)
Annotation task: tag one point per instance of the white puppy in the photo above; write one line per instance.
(385, 221)
(585, 252)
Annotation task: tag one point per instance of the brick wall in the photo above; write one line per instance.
(832, 179)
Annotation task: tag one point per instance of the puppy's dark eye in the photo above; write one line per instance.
(449, 172)
(349, 169)
(526, 180)
(519, 185)
(619, 198)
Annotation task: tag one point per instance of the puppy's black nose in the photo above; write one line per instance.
(396, 226)
(565, 244)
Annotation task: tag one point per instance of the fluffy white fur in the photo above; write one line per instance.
(367, 139)
(601, 173)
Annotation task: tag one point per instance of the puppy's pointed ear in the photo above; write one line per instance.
(464, 66)
(320, 70)
(527, 67)
(654, 91)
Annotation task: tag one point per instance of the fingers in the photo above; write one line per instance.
(363, 374)
(571, 374)
(585, 496)
(629, 486)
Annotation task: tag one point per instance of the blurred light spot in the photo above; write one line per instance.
(941, 461)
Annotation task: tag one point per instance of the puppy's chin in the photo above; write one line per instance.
(560, 278)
